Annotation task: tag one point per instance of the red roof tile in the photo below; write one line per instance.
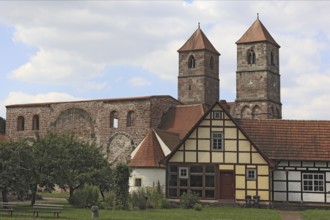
(198, 41)
(290, 139)
(149, 153)
(170, 139)
(180, 119)
(257, 33)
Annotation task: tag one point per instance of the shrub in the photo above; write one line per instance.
(156, 197)
(198, 207)
(139, 199)
(85, 197)
(188, 200)
(148, 197)
(109, 201)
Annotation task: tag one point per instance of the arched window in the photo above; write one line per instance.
(212, 63)
(114, 120)
(35, 122)
(130, 119)
(272, 59)
(246, 112)
(191, 62)
(255, 111)
(251, 57)
(20, 123)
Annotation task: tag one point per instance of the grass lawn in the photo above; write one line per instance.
(54, 195)
(209, 213)
(319, 214)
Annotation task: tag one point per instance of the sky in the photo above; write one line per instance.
(77, 50)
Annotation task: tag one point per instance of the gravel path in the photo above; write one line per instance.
(290, 215)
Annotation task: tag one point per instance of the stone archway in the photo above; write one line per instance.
(75, 121)
(119, 148)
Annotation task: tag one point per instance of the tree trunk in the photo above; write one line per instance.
(4, 195)
(34, 193)
(71, 190)
(102, 194)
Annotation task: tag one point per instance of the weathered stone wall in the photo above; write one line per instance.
(90, 121)
(258, 84)
(199, 84)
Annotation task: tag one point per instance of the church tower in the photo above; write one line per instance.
(257, 76)
(198, 80)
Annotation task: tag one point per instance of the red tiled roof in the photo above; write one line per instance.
(180, 119)
(198, 41)
(257, 33)
(290, 139)
(170, 139)
(149, 153)
(2, 137)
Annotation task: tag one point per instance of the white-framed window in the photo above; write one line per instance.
(217, 140)
(313, 182)
(183, 172)
(251, 174)
(217, 115)
(138, 182)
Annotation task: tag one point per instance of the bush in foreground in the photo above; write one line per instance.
(85, 197)
(188, 200)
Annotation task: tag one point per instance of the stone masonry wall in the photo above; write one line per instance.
(90, 121)
(258, 84)
(199, 84)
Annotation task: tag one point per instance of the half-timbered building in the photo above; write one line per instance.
(217, 160)
(301, 152)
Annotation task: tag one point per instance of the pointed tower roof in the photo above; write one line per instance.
(198, 41)
(257, 33)
(149, 152)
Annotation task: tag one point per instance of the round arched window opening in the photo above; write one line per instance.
(191, 62)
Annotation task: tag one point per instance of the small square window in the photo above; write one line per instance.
(251, 174)
(183, 172)
(138, 182)
(216, 115)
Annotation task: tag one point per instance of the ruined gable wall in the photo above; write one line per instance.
(90, 121)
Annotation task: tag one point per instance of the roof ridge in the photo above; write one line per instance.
(92, 100)
(150, 152)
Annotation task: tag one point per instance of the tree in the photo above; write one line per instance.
(87, 165)
(14, 167)
(80, 163)
(49, 153)
(49, 160)
(120, 187)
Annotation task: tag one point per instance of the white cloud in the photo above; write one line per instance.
(161, 61)
(19, 97)
(56, 67)
(82, 38)
(139, 82)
